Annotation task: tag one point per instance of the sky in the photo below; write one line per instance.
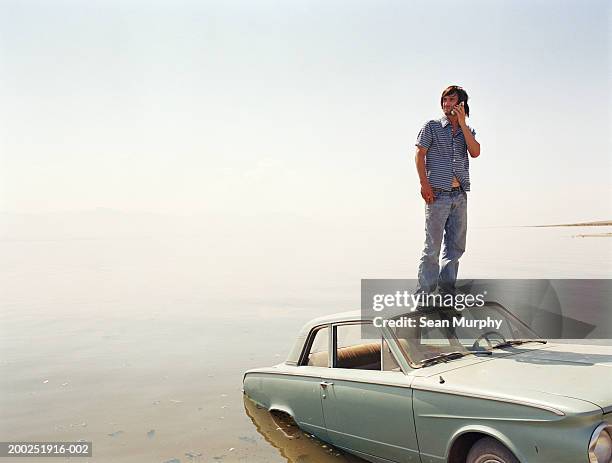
(272, 110)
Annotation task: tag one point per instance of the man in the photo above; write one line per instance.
(442, 163)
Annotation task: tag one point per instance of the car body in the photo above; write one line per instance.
(414, 397)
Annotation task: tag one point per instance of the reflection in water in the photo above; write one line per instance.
(292, 443)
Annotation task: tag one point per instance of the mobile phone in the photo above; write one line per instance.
(453, 111)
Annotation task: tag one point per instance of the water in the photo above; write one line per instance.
(138, 341)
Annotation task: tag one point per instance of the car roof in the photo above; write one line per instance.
(355, 315)
(350, 315)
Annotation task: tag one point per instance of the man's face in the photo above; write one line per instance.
(449, 102)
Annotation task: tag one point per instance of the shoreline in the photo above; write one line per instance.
(601, 223)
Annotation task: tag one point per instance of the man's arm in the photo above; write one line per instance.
(473, 146)
(426, 191)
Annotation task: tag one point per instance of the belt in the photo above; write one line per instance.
(455, 188)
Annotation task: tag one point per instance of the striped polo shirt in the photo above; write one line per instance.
(447, 155)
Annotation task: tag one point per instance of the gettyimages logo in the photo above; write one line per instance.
(411, 301)
(552, 308)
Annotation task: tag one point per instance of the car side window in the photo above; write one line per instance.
(353, 351)
(318, 355)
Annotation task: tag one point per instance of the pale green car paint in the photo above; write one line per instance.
(543, 401)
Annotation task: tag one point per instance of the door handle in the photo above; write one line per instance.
(324, 384)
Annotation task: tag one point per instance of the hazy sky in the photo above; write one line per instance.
(301, 108)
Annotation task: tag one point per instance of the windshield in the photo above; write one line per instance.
(435, 332)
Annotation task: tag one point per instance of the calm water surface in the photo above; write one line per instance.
(139, 343)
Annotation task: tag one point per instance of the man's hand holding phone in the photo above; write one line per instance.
(459, 112)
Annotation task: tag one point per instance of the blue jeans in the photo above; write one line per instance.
(447, 216)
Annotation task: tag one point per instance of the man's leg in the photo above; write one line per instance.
(455, 233)
(436, 214)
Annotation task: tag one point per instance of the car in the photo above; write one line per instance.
(443, 390)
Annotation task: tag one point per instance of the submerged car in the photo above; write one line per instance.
(443, 389)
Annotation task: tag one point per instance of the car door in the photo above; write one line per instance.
(303, 388)
(367, 400)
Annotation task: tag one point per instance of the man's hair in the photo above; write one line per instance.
(461, 94)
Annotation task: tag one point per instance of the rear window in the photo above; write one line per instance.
(318, 355)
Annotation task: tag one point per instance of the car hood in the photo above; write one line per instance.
(562, 370)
